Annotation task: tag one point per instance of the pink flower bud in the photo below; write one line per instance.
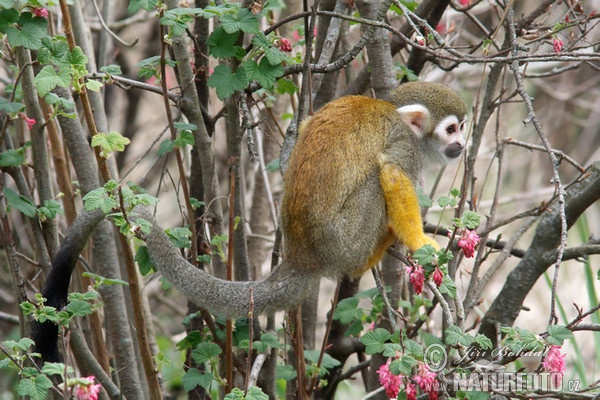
(558, 45)
(285, 45)
(438, 276)
(40, 12)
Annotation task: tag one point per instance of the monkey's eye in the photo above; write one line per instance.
(451, 129)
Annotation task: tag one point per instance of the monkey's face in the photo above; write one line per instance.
(449, 134)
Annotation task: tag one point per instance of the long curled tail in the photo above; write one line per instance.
(284, 288)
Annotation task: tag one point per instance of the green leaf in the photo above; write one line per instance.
(470, 219)
(235, 394)
(50, 209)
(35, 387)
(76, 58)
(92, 85)
(224, 45)
(181, 237)
(12, 158)
(194, 377)
(403, 366)
(448, 287)
(10, 107)
(166, 146)
(142, 257)
(265, 73)
(112, 69)
(53, 49)
(423, 199)
(205, 351)
(184, 138)
(8, 17)
(243, 21)
(374, 340)
(275, 56)
(30, 32)
(20, 202)
(52, 368)
(79, 308)
(136, 5)
(286, 86)
(226, 82)
(285, 372)
(347, 311)
(183, 126)
(47, 79)
(483, 341)
(260, 40)
(557, 334)
(109, 142)
(99, 199)
(455, 335)
(413, 348)
(327, 362)
(256, 393)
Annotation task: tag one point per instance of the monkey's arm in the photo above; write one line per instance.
(402, 208)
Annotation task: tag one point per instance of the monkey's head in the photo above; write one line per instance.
(437, 115)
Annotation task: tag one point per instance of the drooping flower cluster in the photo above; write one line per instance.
(424, 378)
(437, 276)
(468, 241)
(87, 392)
(554, 362)
(427, 381)
(389, 381)
(417, 277)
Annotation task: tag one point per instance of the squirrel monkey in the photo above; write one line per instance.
(349, 193)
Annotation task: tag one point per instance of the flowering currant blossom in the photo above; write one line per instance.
(40, 12)
(554, 362)
(389, 381)
(29, 121)
(467, 242)
(87, 392)
(437, 276)
(417, 277)
(285, 45)
(557, 44)
(427, 381)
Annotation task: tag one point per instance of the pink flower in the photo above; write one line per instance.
(411, 391)
(464, 3)
(89, 391)
(417, 277)
(427, 381)
(557, 44)
(554, 362)
(420, 40)
(438, 276)
(285, 45)
(29, 121)
(40, 12)
(389, 381)
(467, 242)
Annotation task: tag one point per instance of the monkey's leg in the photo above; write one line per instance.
(382, 246)
(403, 209)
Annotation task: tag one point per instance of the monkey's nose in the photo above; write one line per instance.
(453, 150)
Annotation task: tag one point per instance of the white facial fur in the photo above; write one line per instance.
(449, 134)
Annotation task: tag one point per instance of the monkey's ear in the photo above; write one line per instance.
(415, 115)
